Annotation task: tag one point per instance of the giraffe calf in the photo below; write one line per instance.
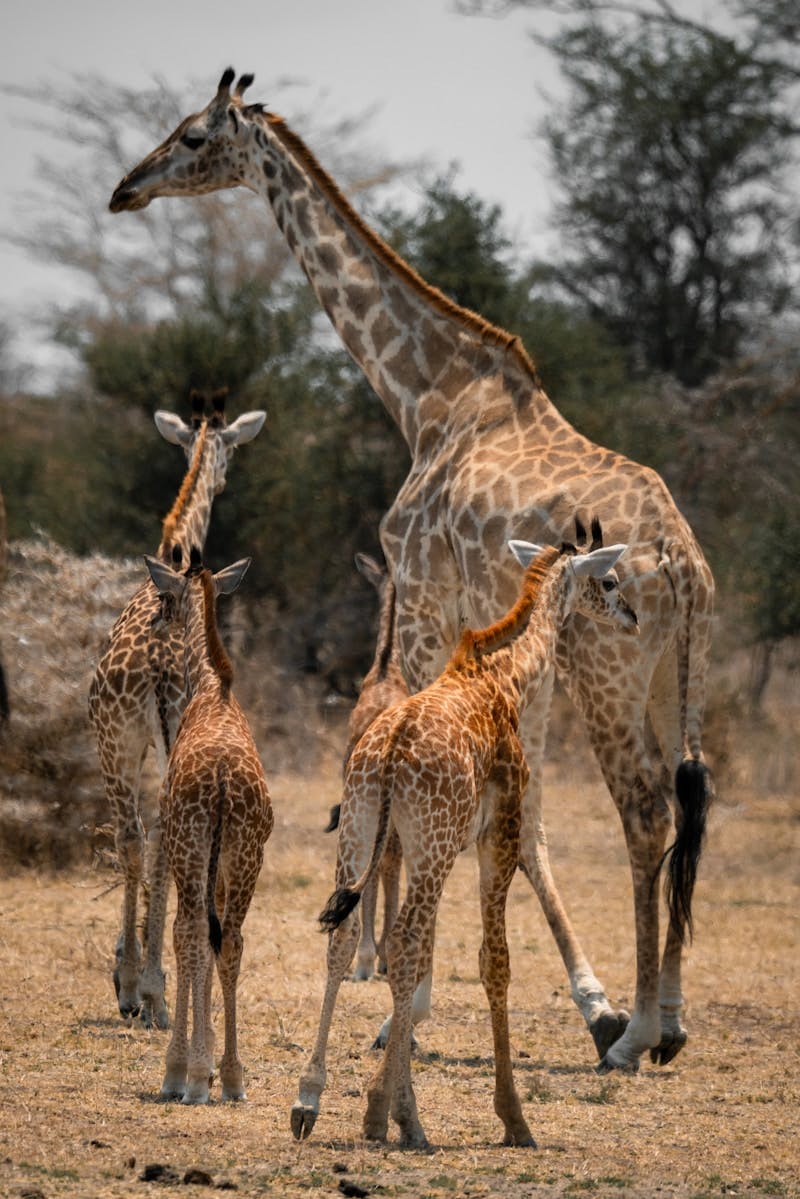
(216, 817)
(446, 768)
(382, 688)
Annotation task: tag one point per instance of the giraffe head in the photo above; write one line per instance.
(223, 437)
(179, 588)
(593, 583)
(207, 151)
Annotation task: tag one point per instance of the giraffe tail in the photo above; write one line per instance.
(693, 789)
(345, 899)
(5, 710)
(214, 926)
(333, 818)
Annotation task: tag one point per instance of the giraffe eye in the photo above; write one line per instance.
(608, 584)
(193, 141)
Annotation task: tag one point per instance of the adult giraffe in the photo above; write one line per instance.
(493, 459)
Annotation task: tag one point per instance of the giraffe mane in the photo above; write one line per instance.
(486, 331)
(218, 658)
(475, 643)
(184, 495)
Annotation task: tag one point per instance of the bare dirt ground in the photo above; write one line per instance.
(79, 1113)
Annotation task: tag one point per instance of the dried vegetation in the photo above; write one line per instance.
(78, 1108)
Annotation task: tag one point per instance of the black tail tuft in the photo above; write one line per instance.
(693, 788)
(4, 705)
(333, 818)
(338, 908)
(214, 932)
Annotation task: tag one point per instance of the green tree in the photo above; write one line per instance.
(669, 155)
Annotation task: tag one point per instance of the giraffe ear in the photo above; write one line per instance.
(525, 551)
(173, 428)
(598, 562)
(369, 569)
(244, 428)
(166, 581)
(228, 579)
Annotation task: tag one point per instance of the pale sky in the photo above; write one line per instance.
(446, 88)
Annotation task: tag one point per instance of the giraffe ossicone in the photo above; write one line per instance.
(491, 459)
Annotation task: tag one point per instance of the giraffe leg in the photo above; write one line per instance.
(231, 1073)
(670, 999)
(420, 1002)
(391, 1085)
(177, 1057)
(365, 956)
(645, 820)
(130, 854)
(390, 878)
(356, 837)
(604, 1023)
(237, 899)
(663, 710)
(200, 1066)
(341, 946)
(153, 980)
(498, 852)
(121, 764)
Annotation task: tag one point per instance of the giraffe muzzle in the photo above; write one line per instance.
(127, 199)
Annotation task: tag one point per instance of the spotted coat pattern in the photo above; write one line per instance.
(446, 767)
(216, 817)
(382, 688)
(492, 458)
(137, 696)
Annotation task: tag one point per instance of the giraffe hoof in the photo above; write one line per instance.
(415, 1139)
(668, 1047)
(607, 1029)
(303, 1119)
(520, 1139)
(605, 1066)
(152, 1016)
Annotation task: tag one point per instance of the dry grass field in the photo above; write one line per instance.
(79, 1109)
(80, 1114)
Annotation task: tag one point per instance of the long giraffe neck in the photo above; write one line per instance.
(532, 654)
(519, 649)
(418, 349)
(188, 520)
(207, 665)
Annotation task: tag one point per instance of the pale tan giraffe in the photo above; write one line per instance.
(382, 688)
(4, 704)
(446, 768)
(492, 458)
(137, 694)
(216, 818)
